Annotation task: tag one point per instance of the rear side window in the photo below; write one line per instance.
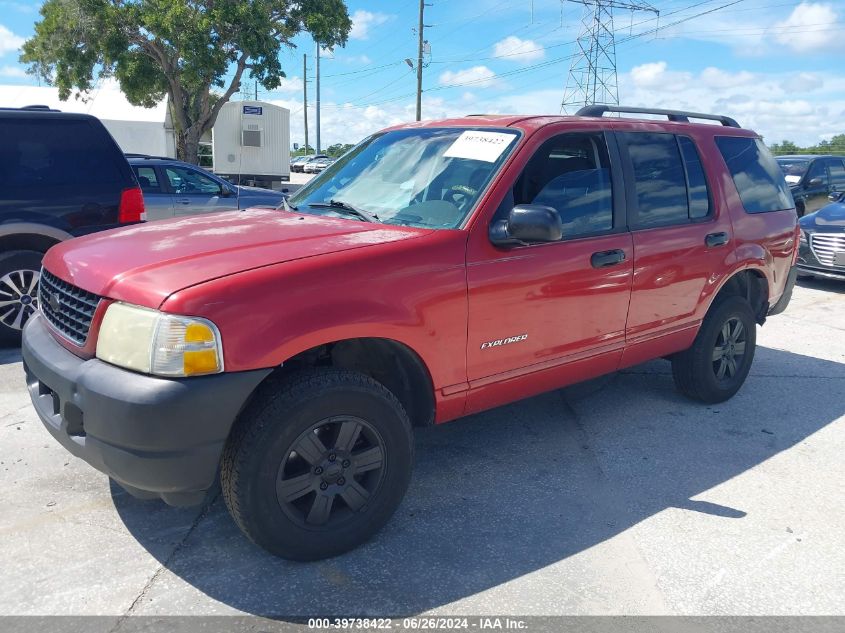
(60, 152)
(668, 179)
(147, 179)
(837, 174)
(756, 174)
(699, 197)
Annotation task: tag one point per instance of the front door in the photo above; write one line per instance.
(535, 309)
(195, 192)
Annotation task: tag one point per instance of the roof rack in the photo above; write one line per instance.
(146, 156)
(36, 108)
(680, 116)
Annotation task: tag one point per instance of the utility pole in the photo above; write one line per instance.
(420, 38)
(592, 74)
(318, 97)
(305, 97)
(256, 91)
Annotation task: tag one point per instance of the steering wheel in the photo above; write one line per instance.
(459, 195)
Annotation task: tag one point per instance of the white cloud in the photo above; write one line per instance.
(12, 71)
(516, 49)
(363, 21)
(778, 105)
(808, 28)
(107, 102)
(477, 75)
(656, 76)
(9, 41)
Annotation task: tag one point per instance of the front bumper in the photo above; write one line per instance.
(808, 264)
(156, 437)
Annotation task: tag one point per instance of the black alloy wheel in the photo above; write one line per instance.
(729, 350)
(331, 472)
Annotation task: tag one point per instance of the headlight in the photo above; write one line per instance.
(153, 342)
(802, 239)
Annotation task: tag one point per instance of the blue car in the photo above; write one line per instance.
(173, 188)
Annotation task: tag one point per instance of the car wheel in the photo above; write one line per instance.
(716, 365)
(799, 209)
(317, 463)
(19, 273)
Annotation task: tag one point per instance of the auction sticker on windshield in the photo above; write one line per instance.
(475, 145)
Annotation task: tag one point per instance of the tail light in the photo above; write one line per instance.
(796, 245)
(131, 206)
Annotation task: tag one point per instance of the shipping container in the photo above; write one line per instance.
(251, 143)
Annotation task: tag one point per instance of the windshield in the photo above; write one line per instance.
(793, 169)
(423, 177)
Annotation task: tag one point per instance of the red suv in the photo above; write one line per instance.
(434, 271)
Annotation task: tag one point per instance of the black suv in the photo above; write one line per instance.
(812, 179)
(61, 175)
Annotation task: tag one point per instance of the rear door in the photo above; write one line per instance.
(681, 239)
(158, 202)
(836, 172)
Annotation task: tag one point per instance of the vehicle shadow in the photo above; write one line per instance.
(10, 355)
(820, 283)
(499, 495)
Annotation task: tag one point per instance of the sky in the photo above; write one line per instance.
(772, 65)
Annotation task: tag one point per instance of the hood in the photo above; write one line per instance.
(258, 191)
(146, 263)
(828, 219)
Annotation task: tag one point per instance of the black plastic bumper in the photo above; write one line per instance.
(786, 297)
(157, 437)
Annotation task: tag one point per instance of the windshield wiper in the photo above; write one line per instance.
(340, 206)
(287, 205)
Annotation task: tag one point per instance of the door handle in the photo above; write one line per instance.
(603, 259)
(185, 201)
(716, 239)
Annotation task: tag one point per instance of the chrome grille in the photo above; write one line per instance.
(75, 306)
(824, 245)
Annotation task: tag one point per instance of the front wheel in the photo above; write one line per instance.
(19, 273)
(317, 463)
(716, 365)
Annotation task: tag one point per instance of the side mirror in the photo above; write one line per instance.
(815, 182)
(526, 224)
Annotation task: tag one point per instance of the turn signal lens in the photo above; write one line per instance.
(157, 343)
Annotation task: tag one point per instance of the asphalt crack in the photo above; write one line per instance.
(203, 513)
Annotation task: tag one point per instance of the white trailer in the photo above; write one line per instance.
(142, 137)
(251, 143)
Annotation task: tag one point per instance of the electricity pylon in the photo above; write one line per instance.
(592, 74)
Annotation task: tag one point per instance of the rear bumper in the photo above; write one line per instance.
(786, 297)
(157, 437)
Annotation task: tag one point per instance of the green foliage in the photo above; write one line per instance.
(196, 52)
(339, 149)
(835, 145)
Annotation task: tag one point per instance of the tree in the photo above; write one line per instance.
(194, 52)
(339, 149)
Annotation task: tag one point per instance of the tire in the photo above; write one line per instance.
(799, 210)
(698, 373)
(19, 272)
(309, 437)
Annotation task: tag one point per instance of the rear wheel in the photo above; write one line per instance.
(317, 463)
(716, 365)
(19, 273)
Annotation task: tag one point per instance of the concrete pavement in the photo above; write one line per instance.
(613, 497)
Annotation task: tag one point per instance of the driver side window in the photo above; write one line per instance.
(188, 181)
(571, 174)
